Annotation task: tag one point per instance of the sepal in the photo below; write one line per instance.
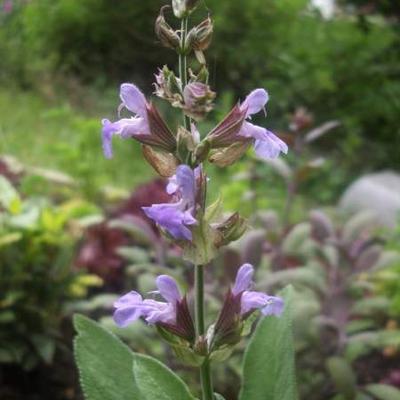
(203, 248)
(164, 163)
(232, 229)
(228, 156)
(199, 39)
(185, 145)
(227, 131)
(167, 36)
(160, 135)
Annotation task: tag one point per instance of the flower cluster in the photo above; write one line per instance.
(180, 155)
(148, 127)
(174, 316)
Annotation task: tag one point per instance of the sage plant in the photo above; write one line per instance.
(188, 220)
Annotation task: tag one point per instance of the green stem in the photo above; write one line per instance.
(183, 66)
(205, 372)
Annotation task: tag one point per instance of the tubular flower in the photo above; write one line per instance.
(239, 304)
(146, 125)
(235, 129)
(251, 300)
(173, 314)
(267, 144)
(176, 217)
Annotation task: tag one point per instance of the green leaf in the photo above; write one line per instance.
(157, 382)
(268, 369)
(104, 363)
(218, 396)
(383, 392)
(105, 368)
(343, 377)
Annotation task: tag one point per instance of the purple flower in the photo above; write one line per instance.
(176, 217)
(267, 144)
(131, 306)
(146, 125)
(240, 302)
(251, 300)
(235, 133)
(173, 314)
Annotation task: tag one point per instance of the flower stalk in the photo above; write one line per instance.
(183, 65)
(205, 372)
(198, 228)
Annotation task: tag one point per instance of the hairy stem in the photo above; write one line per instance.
(183, 66)
(205, 373)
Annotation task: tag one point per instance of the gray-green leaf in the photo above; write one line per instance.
(268, 369)
(105, 368)
(157, 382)
(383, 392)
(104, 363)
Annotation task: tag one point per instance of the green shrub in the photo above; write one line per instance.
(37, 281)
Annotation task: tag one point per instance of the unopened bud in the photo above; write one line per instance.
(167, 87)
(198, 100)
(183, 8)
(168, 37)
(232, 229)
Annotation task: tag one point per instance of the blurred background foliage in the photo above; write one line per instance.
(72, 234)
(300, 57)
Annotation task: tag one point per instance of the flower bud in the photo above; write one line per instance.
(198, 100)
(167, 87)
(168, 37)
(184, 7)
